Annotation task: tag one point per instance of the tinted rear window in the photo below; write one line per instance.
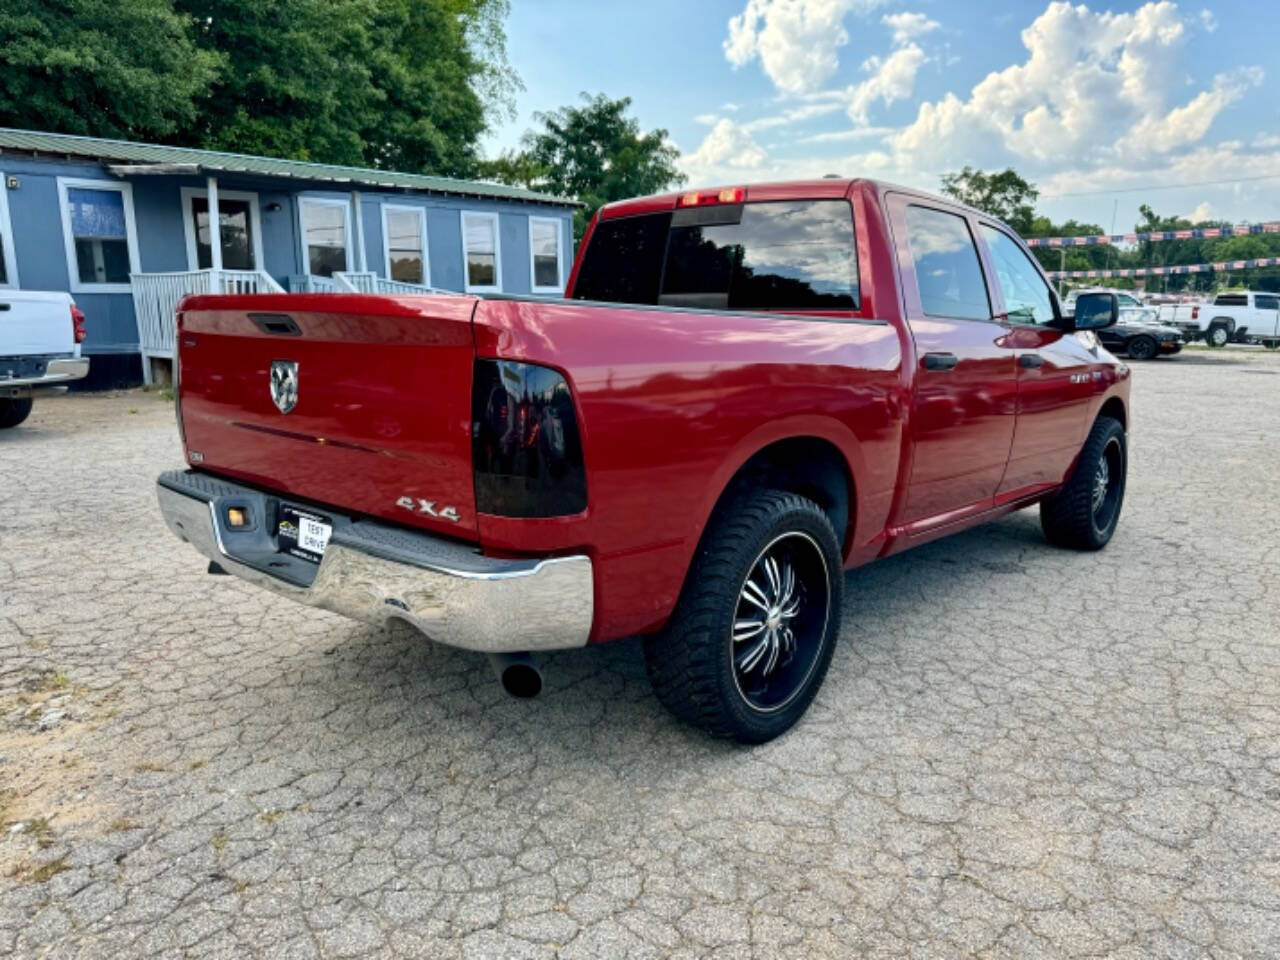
(623, 262)
(792, 255)
(1232, 300)
(1267, 303)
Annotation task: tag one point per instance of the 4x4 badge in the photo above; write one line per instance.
(428, 507)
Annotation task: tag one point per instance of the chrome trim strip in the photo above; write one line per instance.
(57, 371)
(527, 606)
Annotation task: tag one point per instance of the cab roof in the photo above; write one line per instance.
(817, 189)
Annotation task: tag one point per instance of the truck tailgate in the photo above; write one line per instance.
(381, 421)
(35, 323)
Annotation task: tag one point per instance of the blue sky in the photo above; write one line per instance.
(1096, 103)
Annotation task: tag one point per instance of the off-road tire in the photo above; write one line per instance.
(1142, 348)
(1069, 519)
(14, 410)
(691, 661)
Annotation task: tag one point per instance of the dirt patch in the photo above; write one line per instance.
(49, 768)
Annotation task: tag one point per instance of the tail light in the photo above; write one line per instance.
(77, 323)
(1195, 313)
(526, 450)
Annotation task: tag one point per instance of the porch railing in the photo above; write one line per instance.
(156, 297)
(352, 281)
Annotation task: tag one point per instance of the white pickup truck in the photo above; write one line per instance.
(40, 336)
(1241, 316)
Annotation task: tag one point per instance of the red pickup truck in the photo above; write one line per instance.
(744, 392)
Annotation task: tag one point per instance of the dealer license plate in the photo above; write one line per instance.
(303, 533)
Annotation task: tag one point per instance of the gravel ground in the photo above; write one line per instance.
(1019, 751)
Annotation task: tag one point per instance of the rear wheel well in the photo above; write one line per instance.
(810, 466)
(1114, 408)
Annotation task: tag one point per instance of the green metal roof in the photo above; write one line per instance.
(65, 144)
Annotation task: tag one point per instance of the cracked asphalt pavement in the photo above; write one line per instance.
(1018, 752)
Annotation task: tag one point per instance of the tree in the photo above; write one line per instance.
(103, 68)
(1005, 195)
(404, 84)
(593, 153)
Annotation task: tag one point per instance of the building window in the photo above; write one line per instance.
(241, 229)
(544, 255)
(8, 259)
(405, 230)
(325, 228)
(481, 250)
(101, 239)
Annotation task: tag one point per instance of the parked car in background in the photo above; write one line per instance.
(1238, 316)
(1131, 306)
(747, 391)
(40, 336)
(1141, 339)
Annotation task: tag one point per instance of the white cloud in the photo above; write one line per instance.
(795, 40)
(892, 78)
(794, 115)
(1094, 88)
(1098, 106)
(728, 147)
(908, 26)
(1202, 212)
(1208, 21)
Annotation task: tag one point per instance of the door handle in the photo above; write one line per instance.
(940, 361)
(1030, 360)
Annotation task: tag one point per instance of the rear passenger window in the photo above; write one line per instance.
(1268, 303)
(946, 263)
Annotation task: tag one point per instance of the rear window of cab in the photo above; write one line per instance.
(779, 255)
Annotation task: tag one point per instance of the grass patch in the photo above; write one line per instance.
(150, 766)
(196, 764)
(41, 830)
(121, 824)
(166, 393)
(39, 873)
(270, 816)
(219, 841)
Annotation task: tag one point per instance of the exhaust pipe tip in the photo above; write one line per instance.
(518, 674)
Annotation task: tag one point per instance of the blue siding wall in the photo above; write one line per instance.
(444, 238)
(110, 324)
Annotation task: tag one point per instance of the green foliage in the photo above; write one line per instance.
(399, 84)
(1005, 194)
(404, 84)
(105, 68)
(593, 153)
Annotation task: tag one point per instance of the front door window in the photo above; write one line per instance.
(236, 229)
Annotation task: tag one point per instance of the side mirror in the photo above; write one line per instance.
(1094, 311)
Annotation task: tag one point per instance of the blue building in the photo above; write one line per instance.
(131, 228)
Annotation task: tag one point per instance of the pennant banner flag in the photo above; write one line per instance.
(1205, 233)
(1162, 271)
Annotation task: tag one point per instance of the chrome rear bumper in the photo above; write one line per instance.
(374, 572)
(55, 373)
